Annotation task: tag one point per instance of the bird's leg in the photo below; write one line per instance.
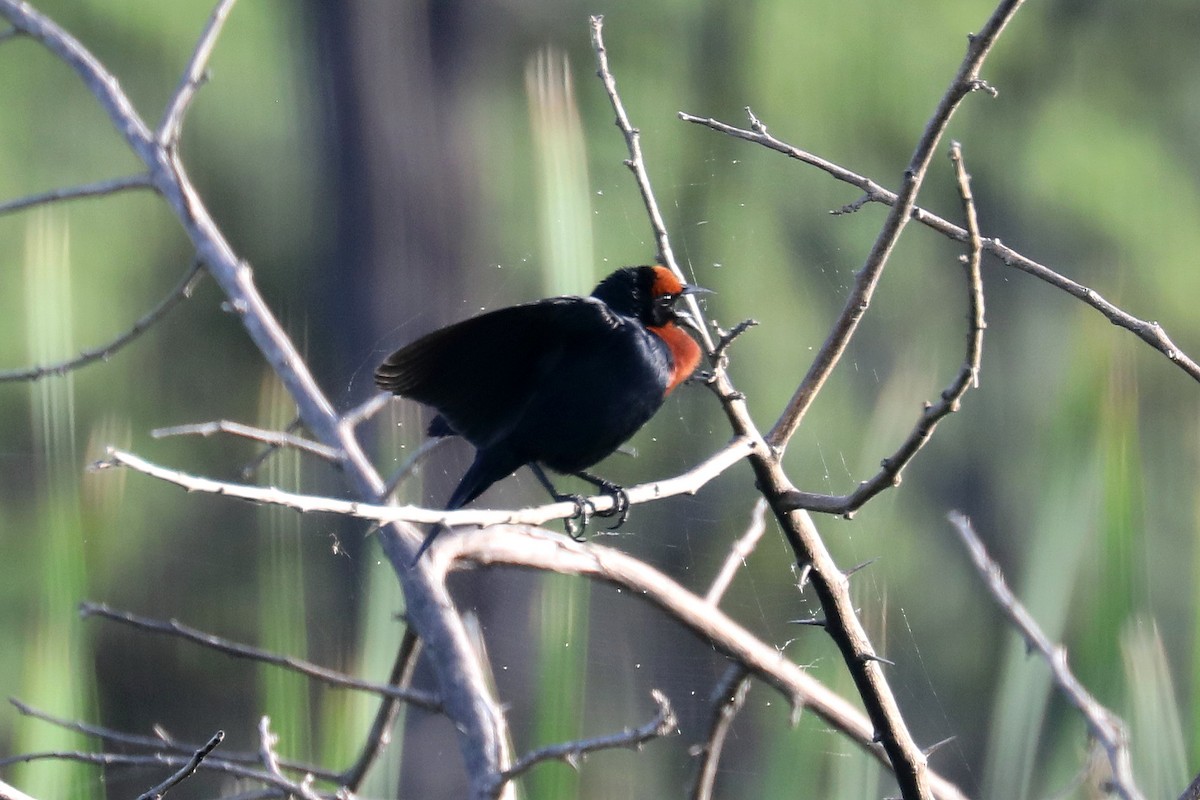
(583, 507)
(617, 493)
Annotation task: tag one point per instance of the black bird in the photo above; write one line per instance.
(560, 382)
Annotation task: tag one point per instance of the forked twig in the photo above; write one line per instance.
(664, 723)
(186, 771)
(948, 403)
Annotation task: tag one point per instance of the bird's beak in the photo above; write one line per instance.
(686, 318)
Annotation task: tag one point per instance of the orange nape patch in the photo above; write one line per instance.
(665, 282)
(685, 353)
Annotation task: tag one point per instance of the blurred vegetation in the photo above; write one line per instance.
(1077, 457)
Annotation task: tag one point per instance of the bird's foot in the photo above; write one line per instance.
(576, 524)
(621, 504)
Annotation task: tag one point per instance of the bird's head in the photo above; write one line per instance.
(646, 293)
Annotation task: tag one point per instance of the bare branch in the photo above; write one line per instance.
(237, 650)
(193, 78)
(948, 403)
(182, 291)
(1105, 726)
(97, 189)
(740, 551)
(274, 438)
(727, 699)
(537, 549)
(1152, 333)
(158, 743)
(688, 482)
(664, 723)
(160, 760)
(186, 771)
(964, 82)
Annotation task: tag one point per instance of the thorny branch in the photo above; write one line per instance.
(907, 760)
(1152, 333)
(932, 413)
(964, 82)
(1105, 726)
(685, 483)
(663, 724)
(534, 548)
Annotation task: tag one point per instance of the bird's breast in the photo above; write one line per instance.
(685, 353)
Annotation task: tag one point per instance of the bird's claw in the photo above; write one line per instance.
(621, 504)
(577, 523)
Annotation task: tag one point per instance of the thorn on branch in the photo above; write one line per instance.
(857, 567)
(869, 657)
(933, 748)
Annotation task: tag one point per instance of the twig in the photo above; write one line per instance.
(516, 546)
(1105, 726)
(158, 760)
(270, 760)
(380, 735)
(727, 698)
(332, 677)
(250, 467)
(193, 78)
(97, 189)
(740, 551)
(948, 403)
(637, 165)
(1152, 333)
(155, 743)
(688, 482)
(181, 292)
(363, 412)
(964, 82)
(664, 723)
(186, 771)
(274, 438)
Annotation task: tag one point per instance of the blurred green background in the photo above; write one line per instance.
(387, 168)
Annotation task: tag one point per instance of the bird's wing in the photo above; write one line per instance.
(480, 373)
